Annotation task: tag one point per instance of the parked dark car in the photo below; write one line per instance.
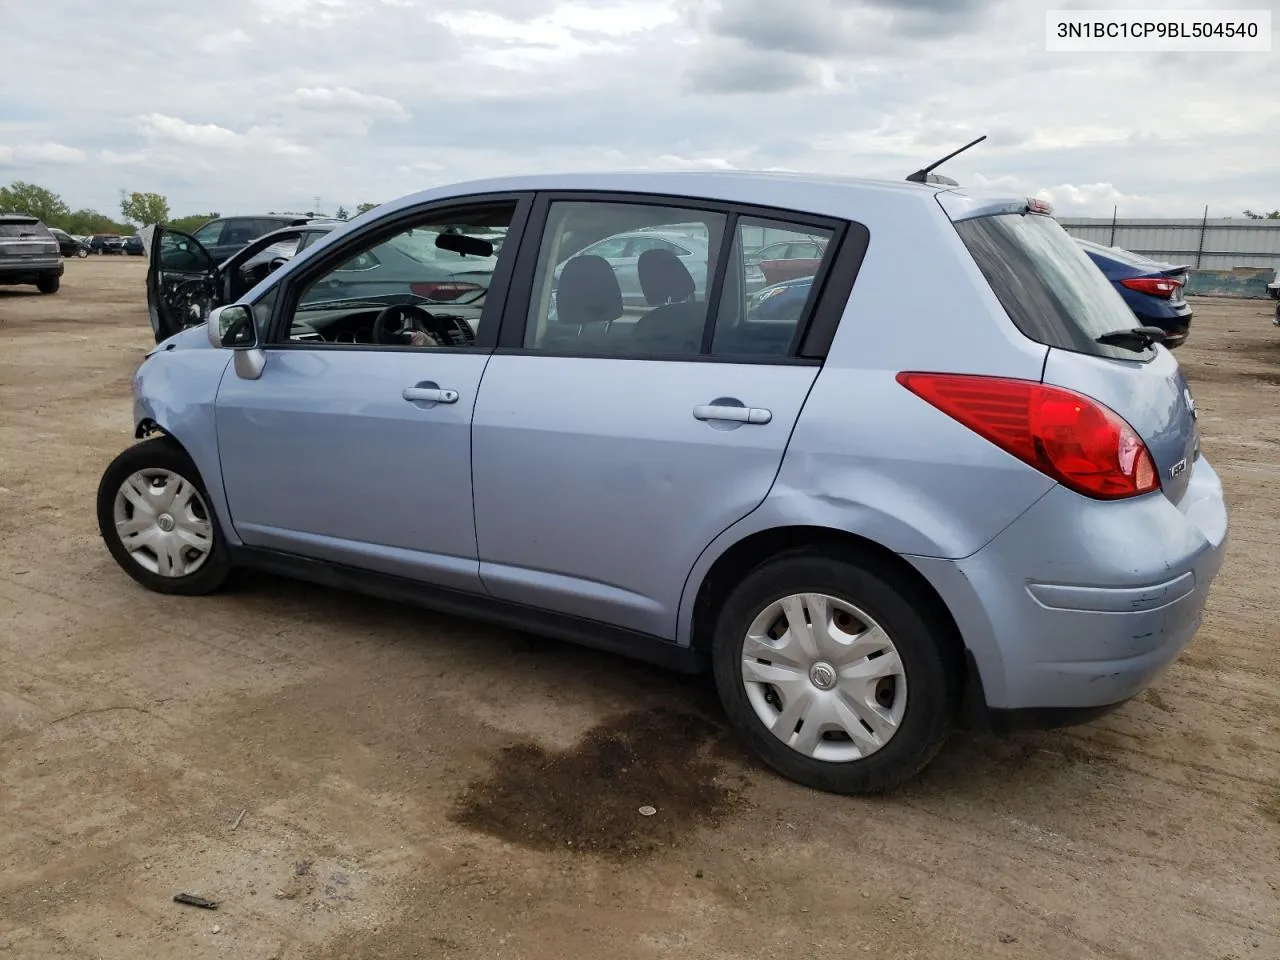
(780, 302)
(28, 253)
(101, 243)
(68, 245)
(226, 236)
(1152, 289)
(133, 246)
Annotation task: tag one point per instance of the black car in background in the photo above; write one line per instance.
(133, 246)
(102, 243)
(68, 245)
(29, 253)
(226, 236)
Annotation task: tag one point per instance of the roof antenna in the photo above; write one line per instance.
(922, 176)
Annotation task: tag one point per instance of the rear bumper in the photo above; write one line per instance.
(1080, 604)
(31, 271)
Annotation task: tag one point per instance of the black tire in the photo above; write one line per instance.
(49, 286)
(932, 675)
(160, 453)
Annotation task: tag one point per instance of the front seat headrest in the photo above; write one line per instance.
(663, 278)
(588, 292)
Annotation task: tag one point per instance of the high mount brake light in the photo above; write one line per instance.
(1072, 438)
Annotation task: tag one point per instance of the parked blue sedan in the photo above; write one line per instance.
(1152, 289)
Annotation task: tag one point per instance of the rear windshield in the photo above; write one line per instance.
(1049, 287)
(1129, 257)
(10, 230)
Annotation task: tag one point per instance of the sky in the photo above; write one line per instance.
(244, 106)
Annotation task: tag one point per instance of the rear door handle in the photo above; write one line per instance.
(429, 395)
(713, 411)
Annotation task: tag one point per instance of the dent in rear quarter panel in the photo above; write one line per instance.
(867, 456)
(873, 457)
(177, 389)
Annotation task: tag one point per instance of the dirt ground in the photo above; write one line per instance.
(353, 779)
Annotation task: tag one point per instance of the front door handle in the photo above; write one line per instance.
(429, 395)
(716, 411)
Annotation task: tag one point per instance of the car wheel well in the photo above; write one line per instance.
(748, 553)
(148, 428)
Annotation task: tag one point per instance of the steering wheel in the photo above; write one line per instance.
(393, 324)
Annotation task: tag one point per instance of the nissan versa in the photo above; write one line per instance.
(872, 517)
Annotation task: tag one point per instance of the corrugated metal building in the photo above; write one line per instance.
(1213, 244)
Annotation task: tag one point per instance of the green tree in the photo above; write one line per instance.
(85, 221)
(35, 201)
(342, 213)
(1273, 215)
(192, 222)
(364, 208)
(144, 208)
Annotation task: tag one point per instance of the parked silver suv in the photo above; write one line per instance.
(874, 515)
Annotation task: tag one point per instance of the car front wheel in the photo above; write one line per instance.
(833, 673)
(154, 514)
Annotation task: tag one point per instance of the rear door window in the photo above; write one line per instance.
(1049, 287)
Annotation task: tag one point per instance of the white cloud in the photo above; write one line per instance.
(344, 99)
(35, 154)
(157, 126)
(362, 100)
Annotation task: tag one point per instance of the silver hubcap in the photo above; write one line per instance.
(163, 522)
(824, 677)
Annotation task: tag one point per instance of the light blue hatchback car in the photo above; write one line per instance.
(886, 517)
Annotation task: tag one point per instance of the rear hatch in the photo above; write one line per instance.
(24, 239)
(1056, 296)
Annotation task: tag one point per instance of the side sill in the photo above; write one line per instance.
(587, 633)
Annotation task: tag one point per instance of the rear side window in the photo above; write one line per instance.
(1049, 287)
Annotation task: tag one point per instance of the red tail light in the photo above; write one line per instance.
(1079, 442)
(444, 290)
(1163, 287)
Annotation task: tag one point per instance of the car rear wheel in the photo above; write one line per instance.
(833, 673)
(154, 514)
(49, 286)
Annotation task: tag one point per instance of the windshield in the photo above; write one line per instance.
(420, 244)
(1049, 287)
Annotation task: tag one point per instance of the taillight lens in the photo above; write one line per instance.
(1163, 287)
(444, 291)
(1075, 439)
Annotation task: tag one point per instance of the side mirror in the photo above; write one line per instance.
(233, 327)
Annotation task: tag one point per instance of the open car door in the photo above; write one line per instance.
(181, 281)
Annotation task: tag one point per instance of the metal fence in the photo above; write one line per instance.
(1201, 243)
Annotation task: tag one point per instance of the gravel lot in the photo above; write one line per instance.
(420, 786)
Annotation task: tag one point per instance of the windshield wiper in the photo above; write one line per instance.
(1136, 339)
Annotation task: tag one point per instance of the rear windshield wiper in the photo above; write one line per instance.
(1136, 339)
